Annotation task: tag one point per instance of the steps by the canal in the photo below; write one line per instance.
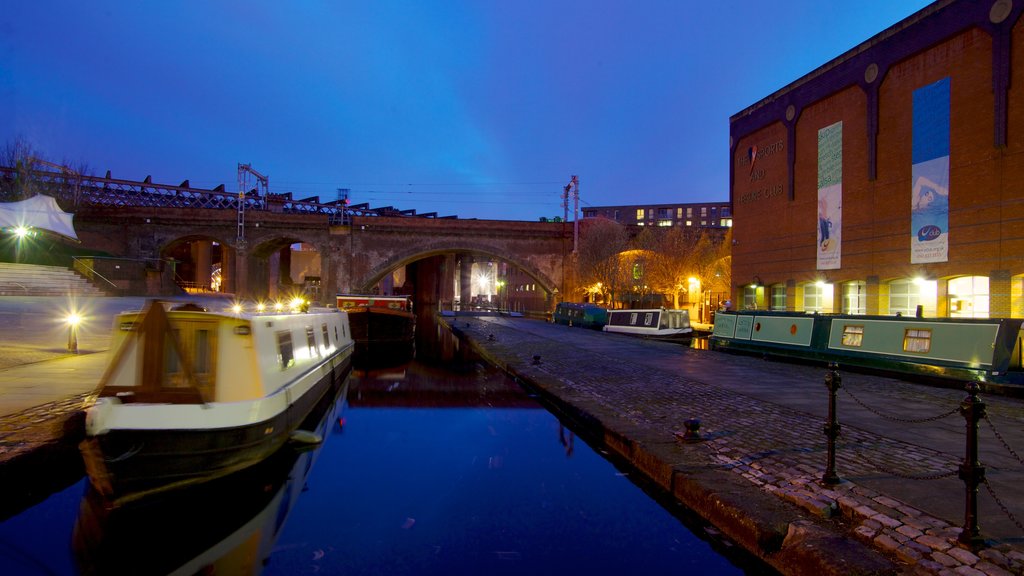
(756, 471)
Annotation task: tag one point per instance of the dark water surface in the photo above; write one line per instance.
(424, 470)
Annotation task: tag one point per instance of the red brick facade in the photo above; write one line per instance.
(775, 201)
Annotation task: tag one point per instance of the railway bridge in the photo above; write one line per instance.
(260, 246)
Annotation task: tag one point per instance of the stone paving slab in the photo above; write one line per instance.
(763, 427)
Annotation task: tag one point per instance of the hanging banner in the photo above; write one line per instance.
(929, 195)
(830, 196)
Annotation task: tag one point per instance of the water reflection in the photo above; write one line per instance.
(228, 525)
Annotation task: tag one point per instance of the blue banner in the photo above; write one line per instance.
(929, 196)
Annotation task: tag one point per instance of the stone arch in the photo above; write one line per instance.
(269, 259)
(420, 251)
(192, 269)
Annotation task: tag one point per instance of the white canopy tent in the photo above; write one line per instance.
(40, 211)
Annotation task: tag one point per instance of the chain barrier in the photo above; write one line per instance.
(896, 418)
(992, 493)
(905, 476)
(1003, 440)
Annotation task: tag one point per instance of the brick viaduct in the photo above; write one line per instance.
(354, 257)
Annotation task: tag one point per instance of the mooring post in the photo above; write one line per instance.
(833, 382)
(971, 471)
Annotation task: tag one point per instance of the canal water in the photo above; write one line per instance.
(440, 465)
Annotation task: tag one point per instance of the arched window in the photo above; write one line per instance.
(855, 297)
(906, 295)
(968, 297)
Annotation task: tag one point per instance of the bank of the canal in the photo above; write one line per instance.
(755, 474)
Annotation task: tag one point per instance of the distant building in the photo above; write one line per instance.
(888, 180)
(696, 215)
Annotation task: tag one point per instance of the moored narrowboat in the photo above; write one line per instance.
(656, 323)
(381, 325)
(580, 314)
(987, 349)
(191, 395)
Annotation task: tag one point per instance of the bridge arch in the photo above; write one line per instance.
(421, 251)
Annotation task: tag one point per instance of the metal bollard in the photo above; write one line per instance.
(692, 433)
(971, 470)
(832, 428)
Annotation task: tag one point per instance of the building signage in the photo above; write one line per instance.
(830, 196)
(754, 160)
(929, 194)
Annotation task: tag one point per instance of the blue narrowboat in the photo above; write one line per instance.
(580, 314)
(985, 349)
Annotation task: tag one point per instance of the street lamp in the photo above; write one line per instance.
(73, 320)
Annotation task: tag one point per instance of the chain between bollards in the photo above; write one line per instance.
(971, 470)
(832, 428)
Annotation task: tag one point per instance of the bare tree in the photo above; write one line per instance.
(598, 262)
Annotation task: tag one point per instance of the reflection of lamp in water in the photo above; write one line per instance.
(73, 321)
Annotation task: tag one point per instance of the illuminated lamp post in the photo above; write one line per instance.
(73, 320)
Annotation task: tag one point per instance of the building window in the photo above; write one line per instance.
(906, 295)
(817, 297)
(917, 340)
(778, 297)
(725, 211)
(689, 222)
(639, 214)
(853, 335)
(968, 297)
(679, 213)
(665, 222)
(689, 212)
(616, 215)
(703, 210)
(665, 213)
(703, 222)
(855, 298)
(727, 222)
(750, 297)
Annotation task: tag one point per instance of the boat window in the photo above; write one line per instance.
(853, 335)
(285, 354)
(202, 352)
(311, 342)
(917, 340)
(632, 319)
(327, 335)
(197, 342)
(648, 318)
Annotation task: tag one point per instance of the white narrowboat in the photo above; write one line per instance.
(657, 323)
(190, 395)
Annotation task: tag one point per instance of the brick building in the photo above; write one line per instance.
(703, 214)
(891, 179)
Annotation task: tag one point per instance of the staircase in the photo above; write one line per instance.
(36, 280)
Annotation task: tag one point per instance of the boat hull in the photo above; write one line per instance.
(125, 464)
(656, 324)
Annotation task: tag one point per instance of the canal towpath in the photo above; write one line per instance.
(754, 475)
(756, 472)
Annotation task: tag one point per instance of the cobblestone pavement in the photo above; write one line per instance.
(763, 421)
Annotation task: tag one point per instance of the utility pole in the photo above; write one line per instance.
(262, 189)
(573, 188)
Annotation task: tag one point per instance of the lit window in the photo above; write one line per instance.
(853, 335)
(917, 340)
(779, 297)
(639, 213)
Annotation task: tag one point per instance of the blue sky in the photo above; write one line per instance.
(474, 108)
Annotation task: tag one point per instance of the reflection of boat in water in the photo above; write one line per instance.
(228, 525)
(657, 323)
(382, 326)
(191, 395)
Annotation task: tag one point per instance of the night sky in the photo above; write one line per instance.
(474, 108)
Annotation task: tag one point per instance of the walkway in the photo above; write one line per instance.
(763, 422)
